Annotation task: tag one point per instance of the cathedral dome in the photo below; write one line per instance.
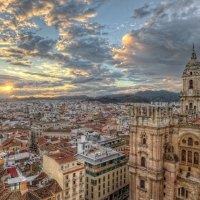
(193, 64)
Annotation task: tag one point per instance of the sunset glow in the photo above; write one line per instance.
(6, 88)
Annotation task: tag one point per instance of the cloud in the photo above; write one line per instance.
(160, 48)
(142, 12)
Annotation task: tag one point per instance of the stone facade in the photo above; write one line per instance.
(164, 147)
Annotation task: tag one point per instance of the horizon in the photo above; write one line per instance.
(72, 48)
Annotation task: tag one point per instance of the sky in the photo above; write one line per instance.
(95, 47)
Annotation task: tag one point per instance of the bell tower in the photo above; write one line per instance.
(190, 94)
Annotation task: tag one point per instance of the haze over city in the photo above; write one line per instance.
(95, 47)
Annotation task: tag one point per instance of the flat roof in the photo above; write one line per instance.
(62, 158)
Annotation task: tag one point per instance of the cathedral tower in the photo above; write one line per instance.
(190, 94)
(149, 132)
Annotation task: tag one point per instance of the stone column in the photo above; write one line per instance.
(132, 190)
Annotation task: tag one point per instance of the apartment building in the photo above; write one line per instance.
(38, 128)
(107, 174)
(69, 172)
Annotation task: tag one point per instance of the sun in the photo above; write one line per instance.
(7, 88)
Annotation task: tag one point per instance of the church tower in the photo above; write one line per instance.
(190, 94)
(150, 129)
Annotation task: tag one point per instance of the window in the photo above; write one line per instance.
(183, 156)
(104, 178)
(182, 191)
(190, 73)
(142, 184)
(191, 84)
(189, 157)
(67, 177)
(196, 158)
(143, 162)
(190, 141)
(99, 194)
(190, 105)
(144, 141)
(108, 176)
(99, 180)
(58, 197)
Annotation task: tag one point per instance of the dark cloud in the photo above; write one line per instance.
(141, 12)
(30, 42)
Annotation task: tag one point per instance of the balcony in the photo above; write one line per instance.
(67, 196)
(75, 177)
(81, 183)
(81, 175)
(75, 185)
(74, 193)
(81, 190)
(67, 180)
(67, 187)
(105, 167)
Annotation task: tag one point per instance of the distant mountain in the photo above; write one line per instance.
(122, 98)
(159, 96)
(138, 97)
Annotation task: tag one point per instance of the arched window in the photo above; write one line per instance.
(189, 157)
(186, 107)
(183, 156)
(196, 158)
(182, 191)
(190, 141)
(191, 106)
(144, 140)
(191, 84)
(143, 162)
(190, 73)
